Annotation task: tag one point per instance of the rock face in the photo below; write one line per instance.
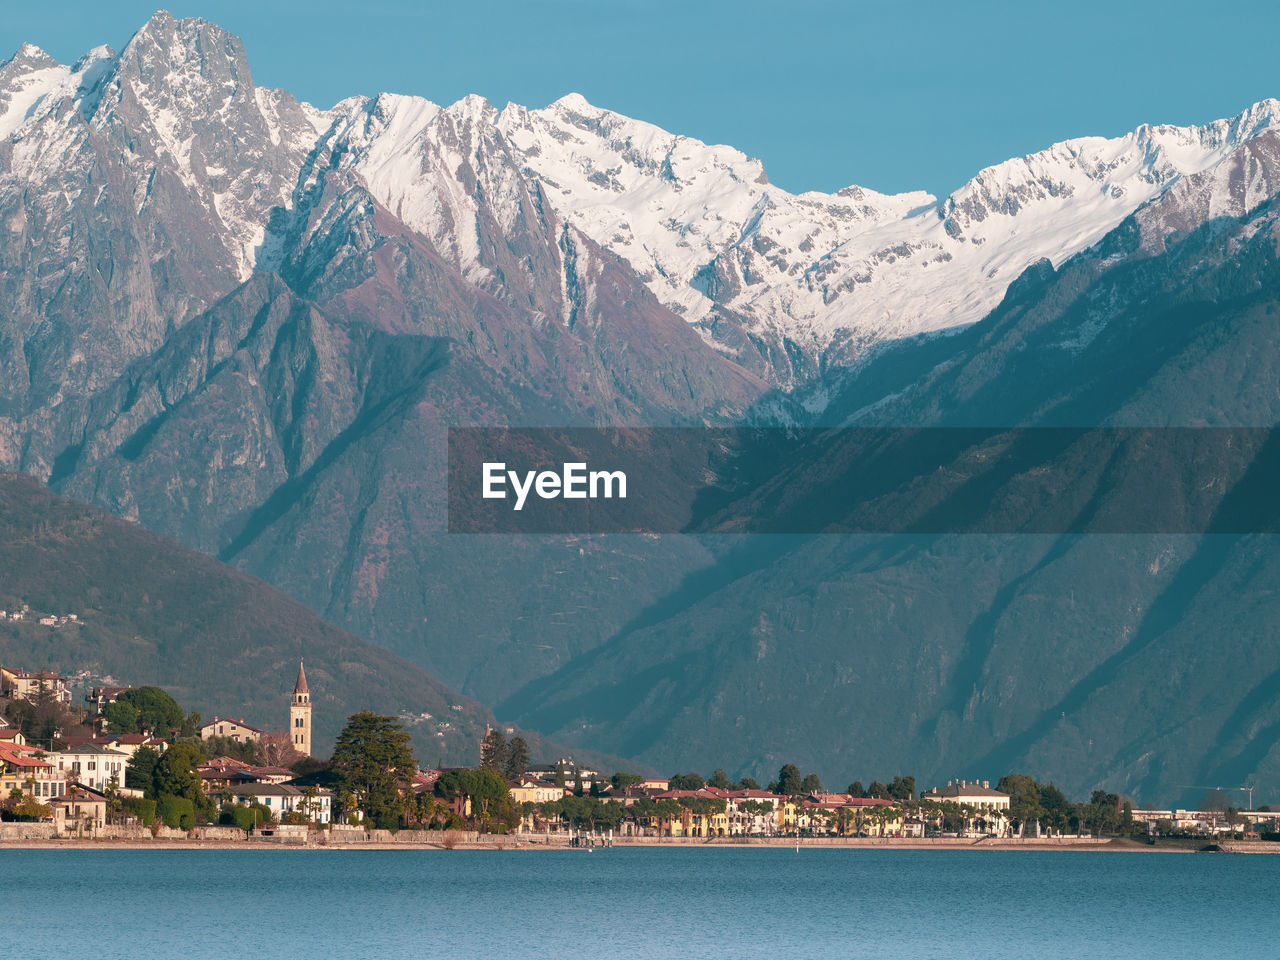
(1139, 663)
(248, 323)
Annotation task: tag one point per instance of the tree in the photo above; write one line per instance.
(177, 811)
(175, 775)
(373, 758)
(24, 806)
(811, 784)
(517, 758)
(1102, 812)
(489, 794)
(157, 711)
(276, 750)
(903, 789)
(493, 751)
(622, 780)
(1056, 807)
(687, 781)
(246, 751)
(121, 717)
(878, 790)
(856, 789)
(191, 726)
(789, 783)
(423, 810)
(746, 783)
(40, 718)
(720, 780)
(1024, 798)
(140, 773)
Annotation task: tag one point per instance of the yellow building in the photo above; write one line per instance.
(535, 791)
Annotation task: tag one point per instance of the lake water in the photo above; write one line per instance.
(640, 902)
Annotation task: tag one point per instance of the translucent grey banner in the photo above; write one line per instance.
(919, 481)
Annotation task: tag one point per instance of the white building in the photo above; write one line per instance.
(972, 793)
(93, 765)
(283, 798)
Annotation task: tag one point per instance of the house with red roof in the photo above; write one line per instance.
(237, 730)
(25, 770)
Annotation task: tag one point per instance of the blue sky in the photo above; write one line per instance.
(890, 95)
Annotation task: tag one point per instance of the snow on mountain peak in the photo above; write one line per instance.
(31, 56)
(700, 223)
(29, 82)
(712, 237)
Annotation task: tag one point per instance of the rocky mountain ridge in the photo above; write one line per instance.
(784, 284)
(247, 323)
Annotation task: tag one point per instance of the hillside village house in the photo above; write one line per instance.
(21, 685)
(126, 743)
(99, 697)
(226, 771)
(237, 730)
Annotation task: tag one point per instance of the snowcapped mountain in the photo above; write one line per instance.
(827, 274)
(246, 323)
(714, 239)
(784, 284)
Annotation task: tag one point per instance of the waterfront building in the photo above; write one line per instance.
(80, 807)
(94, 765)
(282, 799)
(25, 770)
(969, 793)
(529, 790)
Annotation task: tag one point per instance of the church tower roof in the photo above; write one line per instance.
(301, 685)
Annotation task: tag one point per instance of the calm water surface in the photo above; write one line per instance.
(651, 903)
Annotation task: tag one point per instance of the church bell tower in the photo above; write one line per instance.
(300, 714)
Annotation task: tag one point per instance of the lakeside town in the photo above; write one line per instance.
(130, 764)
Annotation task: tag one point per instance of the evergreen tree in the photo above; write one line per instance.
(517, 758)
(157, 711)
(140, 774)
(903, 788)
(789, 783)
(493, 751)
(687, 781)
(373, 758)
